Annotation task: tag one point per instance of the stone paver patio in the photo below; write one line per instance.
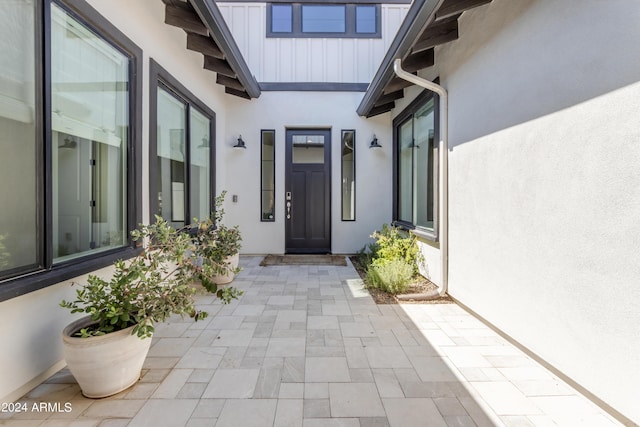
(307, 346)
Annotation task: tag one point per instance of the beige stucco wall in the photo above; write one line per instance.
(545, 185)
(30, 325)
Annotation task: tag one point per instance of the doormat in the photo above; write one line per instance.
(304, 260)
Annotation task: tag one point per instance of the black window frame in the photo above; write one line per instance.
(161, 78)
(45, 273)
(262, 132)
(350, 22)
(342, 132)
(398, 121)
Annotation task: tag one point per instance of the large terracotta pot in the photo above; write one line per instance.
(106, 364)
(232, 263)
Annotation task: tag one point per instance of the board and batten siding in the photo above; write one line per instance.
(334, 60)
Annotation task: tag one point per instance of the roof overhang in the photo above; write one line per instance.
(428, 23)
(208, 33)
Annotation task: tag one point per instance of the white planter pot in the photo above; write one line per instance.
(107, 364)
(232, 263)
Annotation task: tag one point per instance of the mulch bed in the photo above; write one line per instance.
(421, 285)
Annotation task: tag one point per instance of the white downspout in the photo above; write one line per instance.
(444, 173)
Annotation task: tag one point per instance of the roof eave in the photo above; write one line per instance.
(420, 14)
(219, 31)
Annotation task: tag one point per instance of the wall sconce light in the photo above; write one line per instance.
(374, 142)
(204, 143)
(69, 143)
(240, 144)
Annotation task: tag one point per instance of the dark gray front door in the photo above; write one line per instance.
(308, 191)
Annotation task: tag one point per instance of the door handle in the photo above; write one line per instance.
(288, 204)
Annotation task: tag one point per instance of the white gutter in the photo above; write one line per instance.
(444, 173)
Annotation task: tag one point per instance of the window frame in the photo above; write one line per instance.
(398, 121)
(44, 272)
(350, 22)
(342, 133)
(262, 132)
(161, 78)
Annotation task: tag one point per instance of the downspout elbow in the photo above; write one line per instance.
(444, 175)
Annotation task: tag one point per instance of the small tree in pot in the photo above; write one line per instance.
(122, 311)
(217, 249)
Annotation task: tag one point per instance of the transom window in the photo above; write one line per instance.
(323, 20)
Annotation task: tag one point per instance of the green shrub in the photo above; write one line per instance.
(393, 243)
(392, 276)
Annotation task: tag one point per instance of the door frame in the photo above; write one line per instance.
(326, 132)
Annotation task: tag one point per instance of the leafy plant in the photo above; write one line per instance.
(214, 243)
(392, 276)
(146, 289)
(393, 243)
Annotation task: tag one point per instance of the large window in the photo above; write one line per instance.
(416, 165)
(323, 20)
(70, 132)
(182, 129)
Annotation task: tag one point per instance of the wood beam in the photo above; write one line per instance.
(395, 84)
(220, 66)
(438, 33)
(419, 60)
(229, 82)
(185, 17)
(385, 99)
(240, 93)
(203, 44)
(381, 109)
(453, 7)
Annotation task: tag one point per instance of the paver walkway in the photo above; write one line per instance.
(307, 346)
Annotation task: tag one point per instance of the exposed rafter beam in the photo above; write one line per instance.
(219, 66)
(396, 84)
(229, 82)
(381, 109)
(390, 97)
(185, 17)
(437, 33)
(214, 22)
(454, 7)
(240, 93)
(204, 45)
(418, 61)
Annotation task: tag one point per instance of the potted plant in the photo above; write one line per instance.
(105, 350)
(218, 249)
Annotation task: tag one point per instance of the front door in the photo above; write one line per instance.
(308, 191)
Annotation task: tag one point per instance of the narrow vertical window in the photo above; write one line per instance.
(18, 113)
(348, 175)
(90, 127)
(200, 165)
(267, 180)
(170, 179)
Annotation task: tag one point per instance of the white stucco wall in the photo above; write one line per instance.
(282, 110)
(31, 348)
(545, 184)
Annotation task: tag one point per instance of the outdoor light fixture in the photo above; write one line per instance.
(68, 143)
(204, 143)
(374, 142)
(240, 144)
